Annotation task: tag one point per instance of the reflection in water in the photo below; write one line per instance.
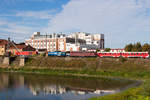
(38, 87)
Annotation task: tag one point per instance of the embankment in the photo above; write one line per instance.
(88, 63)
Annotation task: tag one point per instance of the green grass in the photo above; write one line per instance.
(131, 94)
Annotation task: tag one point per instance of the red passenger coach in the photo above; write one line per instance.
(109, 54)
(135, 54)
(124, 54)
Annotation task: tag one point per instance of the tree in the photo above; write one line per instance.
(128, 47)
(138, 47)
(133, 47)
(107, 49)
(146, 47)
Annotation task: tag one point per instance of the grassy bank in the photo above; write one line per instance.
(137, 69)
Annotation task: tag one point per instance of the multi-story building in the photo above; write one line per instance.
(96, 40)
(54, 42)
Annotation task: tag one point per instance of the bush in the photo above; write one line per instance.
(122, 59)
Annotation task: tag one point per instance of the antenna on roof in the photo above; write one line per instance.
(8, 44)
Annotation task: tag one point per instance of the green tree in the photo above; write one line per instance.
(128, 47)
(133, 47)
(107, 49)
(138, 47)
(146, 47)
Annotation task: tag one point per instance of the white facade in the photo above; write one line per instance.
(72, 47)
(53, 42)
(91, 39)
(62, 42)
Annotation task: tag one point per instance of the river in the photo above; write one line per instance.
(16, 86)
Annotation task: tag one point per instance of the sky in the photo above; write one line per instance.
(122, 21)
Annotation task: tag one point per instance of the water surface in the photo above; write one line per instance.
(15, 86)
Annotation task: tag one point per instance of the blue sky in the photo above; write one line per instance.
(122, 21)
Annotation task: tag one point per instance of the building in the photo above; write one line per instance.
(62, 42)
(3, 46)
(13, 48)
(54, 42)
(92, 40)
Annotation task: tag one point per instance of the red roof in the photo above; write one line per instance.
(3, 42)
(19, 46)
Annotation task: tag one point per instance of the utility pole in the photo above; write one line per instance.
(46, 42)
(46, 46)
(8, 44)
(76, 39)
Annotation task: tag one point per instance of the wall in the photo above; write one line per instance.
(2, 50)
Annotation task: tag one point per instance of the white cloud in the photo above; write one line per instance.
(2, 22)
(36, 14)
(122, 21)
(48, 14)
(15, 30)
(21, 29)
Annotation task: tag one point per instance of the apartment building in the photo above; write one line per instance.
(96, 40)
(54, 42)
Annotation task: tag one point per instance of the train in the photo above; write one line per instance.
(102, 54)
(25, 53)
(83, 54)
(57, 53)
(124, 54)
(90, 54)
(72, 54)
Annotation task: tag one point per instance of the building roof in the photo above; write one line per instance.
(18, 46)
(22, 46)
(3, 42)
